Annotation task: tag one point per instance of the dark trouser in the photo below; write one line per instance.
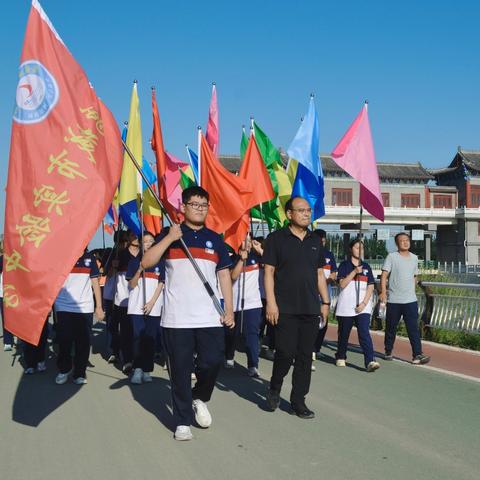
(409, 311)
(181, 344)
(73, 331)
(345, 324)
(144, 333)
(294, 339)
(320, 338)
(249, 331)
(7, 336)
(122, 341)
(32, 354)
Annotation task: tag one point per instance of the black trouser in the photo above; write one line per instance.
(32, 354)
(122, 341)
(294, 339)
(181, 344)
(73, 331)
(144, 332)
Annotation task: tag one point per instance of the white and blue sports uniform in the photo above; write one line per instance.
(74, 309)
(190, 321)
(349, 297)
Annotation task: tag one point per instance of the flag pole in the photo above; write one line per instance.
(200, 274)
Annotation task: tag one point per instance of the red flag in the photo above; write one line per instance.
(64, 167)
(230, 196)
(254, 171)
(158, 148)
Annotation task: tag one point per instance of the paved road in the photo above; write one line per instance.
(400, 422)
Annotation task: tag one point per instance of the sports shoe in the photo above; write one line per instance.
(183, 433)
(41, 367)
(193, 376)
(372, 366)
(420, 359)
(313, 368)
(268, 354)
(253, 372)
(29, 371)
(202, 415)
(7, 347)
(62, 378)
(146, 377)
(229, 363)
(137, 376)
(341, 362)
(112, 359)
(388, 356)
(127, 368)
(302, 411)
(80, 381)
(273, 400)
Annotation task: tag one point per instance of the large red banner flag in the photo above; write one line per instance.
(65, 163)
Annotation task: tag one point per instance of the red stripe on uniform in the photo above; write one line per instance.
(151, 275)
(178, 253)
(251, 268)
(361, 278)
(327, 267)
(81, 270)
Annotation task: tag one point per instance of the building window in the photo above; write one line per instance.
(410, 200)
(442, 201)
(342, 197)
(475, 196)
(386, 199)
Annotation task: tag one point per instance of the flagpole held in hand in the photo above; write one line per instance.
(200, 274)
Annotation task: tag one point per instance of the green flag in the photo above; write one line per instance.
(243, 144)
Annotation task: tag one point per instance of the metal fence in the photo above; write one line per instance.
(451, 306)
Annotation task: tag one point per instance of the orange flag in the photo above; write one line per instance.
(230, 196)
(64, 167)
(254, 171)
(159, 149)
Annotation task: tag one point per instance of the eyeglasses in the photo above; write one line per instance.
(302, 210)
(198, 206)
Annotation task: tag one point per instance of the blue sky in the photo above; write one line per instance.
(417, 62)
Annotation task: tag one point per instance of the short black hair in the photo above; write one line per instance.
(146, 232)
(194, 191)
(353, 242)
(320, 232)
(398, 235)
(289, 204)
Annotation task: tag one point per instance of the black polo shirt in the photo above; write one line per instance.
(296, 265)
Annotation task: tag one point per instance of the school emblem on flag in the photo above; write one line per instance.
(37, 93)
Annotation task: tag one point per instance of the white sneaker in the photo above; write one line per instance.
(41, 367)
(372, 366)
(202, 415)
(229, 363)
(7, 347)
(62, 378)
(193, 377)
(80, 381)
(253, 372)
(341, 363)
(29, 371)
(183, 433)
(313, 368)
(146, 377)
(137, 376)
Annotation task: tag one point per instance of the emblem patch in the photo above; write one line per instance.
(208, 244)
(37, 93)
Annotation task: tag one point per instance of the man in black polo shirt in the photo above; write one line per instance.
(294, 278)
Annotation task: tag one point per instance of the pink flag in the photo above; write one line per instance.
(212, 127)
(172, 181)
(354, 154)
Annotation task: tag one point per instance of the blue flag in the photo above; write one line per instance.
(193, 159)
(309, 178)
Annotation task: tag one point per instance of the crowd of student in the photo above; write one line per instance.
(276, 295)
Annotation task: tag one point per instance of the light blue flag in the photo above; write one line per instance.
(148, 172)
(193, 159)
(309, 178)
